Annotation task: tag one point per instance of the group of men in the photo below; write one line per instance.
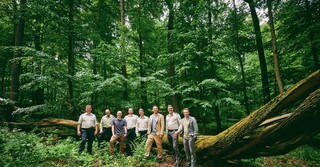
(125, 130)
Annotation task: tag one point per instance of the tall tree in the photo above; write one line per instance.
(259, 44)
(274, 47)
(71, 9)
(19, 34)
(171, 67)
(122, 50)
(38, 94)
(238, 53)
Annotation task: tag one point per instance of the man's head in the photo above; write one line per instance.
(107, 112)
(186, 112)
(141, 112)
(170, 109)
(155, 109)
(119, 114)
(88, 108)
(130, 111)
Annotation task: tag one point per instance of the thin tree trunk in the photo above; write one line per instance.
(244, 85)
(3, 76)
(71, 58)
(274, 47)
(122, 51)
(19, 34)
(262, 59)
(171, 68)
(38, 94)
(142, 74)
(314, 50)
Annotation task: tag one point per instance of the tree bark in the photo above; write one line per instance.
(19, 34)
(274, 47)
(38, 94)
(244, 85)
(259, 44)
(122, 51)
(142, 74)
(71, 52)
(314, 50)
(171, 67)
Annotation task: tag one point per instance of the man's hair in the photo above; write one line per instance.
(155, 106)
(141, 109)
(186, 109)
(170, 106)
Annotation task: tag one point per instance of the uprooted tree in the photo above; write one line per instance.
(262, 133)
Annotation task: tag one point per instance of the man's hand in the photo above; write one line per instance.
(78, 133)
(160, 135)
(95, 133)
(101, 131)
(125, 135)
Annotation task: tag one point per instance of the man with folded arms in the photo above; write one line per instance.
(119, 132)
(155, 133)
(131, 120)
(172, 125)
(87, 128)
(105, 127)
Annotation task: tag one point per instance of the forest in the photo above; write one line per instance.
(248, 70)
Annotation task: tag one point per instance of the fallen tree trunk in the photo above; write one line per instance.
(225, 144)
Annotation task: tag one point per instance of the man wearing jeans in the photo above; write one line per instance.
(172, 125)
(189, 130)
(131, 120)
(105, 127)
(155, 133)
(87, 128)
(119, 132)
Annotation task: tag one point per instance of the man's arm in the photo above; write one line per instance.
(195, 125)
(78, 129)
(101, 125)
(162, 126)
(112, 130)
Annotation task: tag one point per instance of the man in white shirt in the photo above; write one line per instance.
(105, 127)
(142, 125)
(87, 128)
(172, 125)
(131, 120)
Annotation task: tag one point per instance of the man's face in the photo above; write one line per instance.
(119, 114)
(186, 113)
(170, 110)
(141, 112)
(155, 110)
(130, 111)
(107, 112)
(88, 108)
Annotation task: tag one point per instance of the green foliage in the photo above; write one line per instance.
(28, 149)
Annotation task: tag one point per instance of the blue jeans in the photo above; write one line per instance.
(86, 134)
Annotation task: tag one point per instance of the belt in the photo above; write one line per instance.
(172, 130)
(106, 128)
(87, 128)
(132, 129)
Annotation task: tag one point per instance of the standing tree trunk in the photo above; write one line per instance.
(3, 76)
(19, 33)
(262, 59)
(314, 50)
(38, 94)
(123, 52)
(71, 55)
(142, 74)
(171, 68)
(274, 48)
(213, 68)
(237, 45)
